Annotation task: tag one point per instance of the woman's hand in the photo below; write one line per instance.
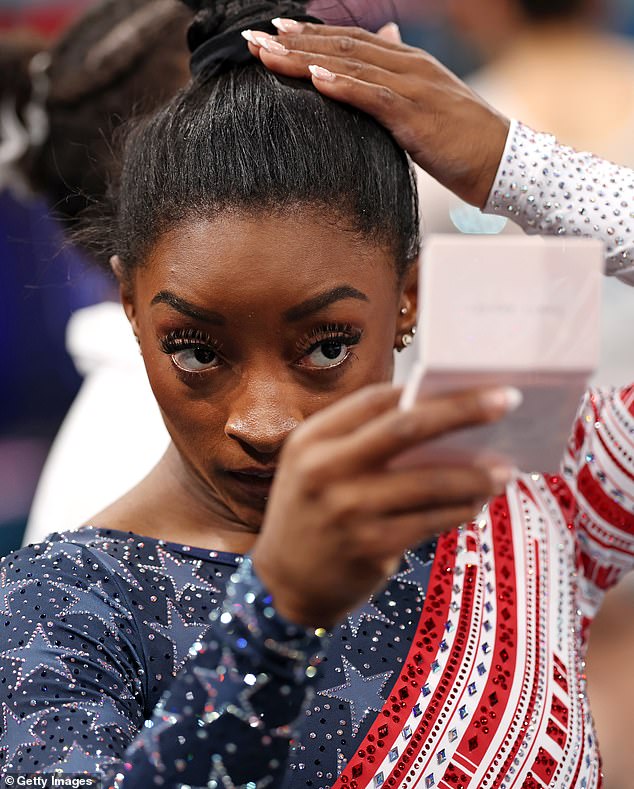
(446, 128)
(340, 516)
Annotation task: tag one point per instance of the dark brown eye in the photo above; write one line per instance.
(332, 350)
(196, 360)
(329, 353)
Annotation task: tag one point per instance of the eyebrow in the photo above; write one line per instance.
(186, 308)
(322, 300)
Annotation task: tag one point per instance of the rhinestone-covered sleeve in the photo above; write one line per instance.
(228, 718)
(552, 189)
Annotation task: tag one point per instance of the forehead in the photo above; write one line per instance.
(242, 258)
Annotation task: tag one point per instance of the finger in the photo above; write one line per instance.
(390, 536)
(379, 101)
(373, 49)
(281, 52)
(402, 491)
(296, 31)
(366, 96)
(348, 414)
(390, 32)
(298, 65)
(375, 443)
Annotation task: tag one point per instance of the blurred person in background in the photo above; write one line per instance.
(41, 284)
(553, 64)
(62, 105)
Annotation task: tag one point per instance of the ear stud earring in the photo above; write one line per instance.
(408, 338)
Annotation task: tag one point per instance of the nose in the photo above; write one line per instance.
(263, 414)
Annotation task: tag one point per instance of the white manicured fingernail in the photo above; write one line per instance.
(501, 476)
(288, 25)
(514, 398)
(271, 45)
(319, 72)
(391, 32)
(248, 34)
(507, 398)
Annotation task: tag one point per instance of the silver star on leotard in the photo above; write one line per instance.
(367, 612)
(180, 633)
(7, 590)
(17, 733)
(76, 761)
(417, 574)
(363, 694)
(181, 574)
(39, 653)
(219, 778)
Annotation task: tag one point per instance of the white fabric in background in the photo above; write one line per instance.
(113, 434)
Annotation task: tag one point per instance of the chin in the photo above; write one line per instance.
(251, 519)
(250, 515)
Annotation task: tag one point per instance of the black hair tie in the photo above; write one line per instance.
(230, 48)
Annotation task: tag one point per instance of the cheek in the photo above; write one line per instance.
(371, 362)
(192, 418)
(378, 370)
(378, 356)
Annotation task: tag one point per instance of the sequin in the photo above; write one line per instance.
(546, 206)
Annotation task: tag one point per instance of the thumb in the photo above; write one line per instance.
(390, 32)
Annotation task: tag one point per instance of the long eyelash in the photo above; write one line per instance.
(329, 331)
(181, 339)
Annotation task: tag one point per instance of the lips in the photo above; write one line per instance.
(254, 482)
(258, 473)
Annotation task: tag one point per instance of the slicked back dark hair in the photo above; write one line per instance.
(250, 141)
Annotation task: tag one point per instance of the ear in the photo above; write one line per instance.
(126, 292)
(407, 305)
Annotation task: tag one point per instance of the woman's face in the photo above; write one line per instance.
(250, 324)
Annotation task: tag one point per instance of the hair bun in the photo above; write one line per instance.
(220, 16)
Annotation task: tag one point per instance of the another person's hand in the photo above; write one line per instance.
(340, 515)
(446, 128)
